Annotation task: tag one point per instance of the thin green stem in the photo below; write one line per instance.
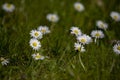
(3, 20)
(52, 26)
(107, 34)
(113, 64)
(80, 60)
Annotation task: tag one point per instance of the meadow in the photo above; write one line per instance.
(63, 62)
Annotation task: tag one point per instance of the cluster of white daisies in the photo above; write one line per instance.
(36, 35)
(82, 39)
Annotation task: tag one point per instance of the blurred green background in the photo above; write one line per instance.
(63, 63)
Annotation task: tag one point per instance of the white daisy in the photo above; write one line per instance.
(52, 17)
(76, 31)
(35, 44)
(84, 39)
(37, 56)
(79, 6)
(44, 29)
(79, 47)
(102, 25)
(97, 34)
(116, 48)
(4, 61)
(36, 34)
(8, 7)
(115, 16)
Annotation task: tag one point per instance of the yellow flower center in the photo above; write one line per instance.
(79, 48)
(102, 25)
(36, 34)
(78, 7)
(8, 5)
(52, 18)
(76, 31)
(83, 40)
(38, 56)
(115, 17)
(97, 34)
(118, 47)
(34, 44)
(43, 30)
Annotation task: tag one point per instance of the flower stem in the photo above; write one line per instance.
(107, 34)
(82, 63)
(113, 64)
(95, 40)
(52, 26)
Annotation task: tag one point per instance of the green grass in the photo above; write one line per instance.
(63, 63)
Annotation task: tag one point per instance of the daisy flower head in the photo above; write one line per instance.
(37, 56)
(115, 16)
(79, 47)
(97, 34)
(8, 7)
(102, 25)
(44, 29)
(4, 61)
(116, 48)
(84, 39)
(76, 31)
(79, 6)
(52, 17)
(36, 34)
(35, 44)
